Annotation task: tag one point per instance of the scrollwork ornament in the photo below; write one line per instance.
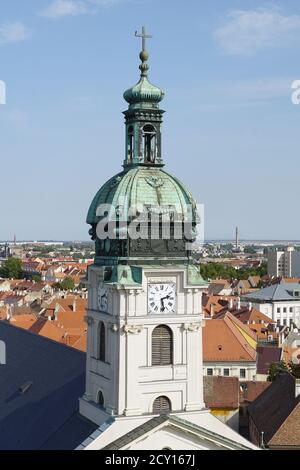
(133, 329)
(192, 327)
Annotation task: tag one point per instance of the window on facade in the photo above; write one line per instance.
(226, 372)
(162, 346)
(291, 309)
(242, 373)
(102, 340)
(130, 143)
(284, 322)
(210, 372)
(100, 399)
(278, 310)
(149, 137)
(284, 310)
(162, 405)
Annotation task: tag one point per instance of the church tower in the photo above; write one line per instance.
(144, 353)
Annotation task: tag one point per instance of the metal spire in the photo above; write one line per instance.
(144, 56)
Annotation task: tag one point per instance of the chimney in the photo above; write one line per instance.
(250, 306)
(230, 304)
(75, 304)
(56, 310)
(262, 440)
(238, 304)
(297, 388)
(8, 312)
(212, 310)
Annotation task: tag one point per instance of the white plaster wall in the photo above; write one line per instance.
(234, 369)
(128, 381)
(270, 309)
(231, 418)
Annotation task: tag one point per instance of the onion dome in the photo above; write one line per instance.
(144, 92)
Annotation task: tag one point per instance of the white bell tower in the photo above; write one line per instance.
(144, 351)
(144, 370)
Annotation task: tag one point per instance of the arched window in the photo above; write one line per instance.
(102, 338)
(149, 136)
(162, 405)
(130, 143)
(162, 346)
(101, 399)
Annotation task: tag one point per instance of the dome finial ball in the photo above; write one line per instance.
(144, 56)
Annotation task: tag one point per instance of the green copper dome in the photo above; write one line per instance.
(143, 187)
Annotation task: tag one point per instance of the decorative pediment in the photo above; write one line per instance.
(173, 431)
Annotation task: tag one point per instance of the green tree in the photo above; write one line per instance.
(37, 278)
(295, 369)
(12, 268)
(275, 369)
(223, 271)
(57, 285)
(250, 250)
(68, 284)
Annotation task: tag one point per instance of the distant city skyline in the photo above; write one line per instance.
(230, 131)
(208, 240)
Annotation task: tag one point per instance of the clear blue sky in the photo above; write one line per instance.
(231, 132)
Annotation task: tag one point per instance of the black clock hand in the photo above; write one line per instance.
(167, 297)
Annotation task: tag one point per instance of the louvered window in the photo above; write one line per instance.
(162, 405)
(102, 346)
(162, 346)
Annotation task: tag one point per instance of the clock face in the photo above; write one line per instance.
(162, 298)
(102, 296)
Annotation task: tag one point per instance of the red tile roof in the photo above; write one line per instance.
(265, 357)
(251, 390)
(224, 342)
(221, 392)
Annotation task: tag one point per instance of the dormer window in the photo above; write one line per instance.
(149, 141)
(296, 293)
